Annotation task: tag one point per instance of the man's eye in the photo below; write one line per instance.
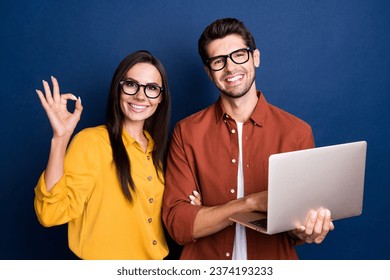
(218, 61)
(239, 54)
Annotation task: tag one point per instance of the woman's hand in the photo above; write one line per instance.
(62, 121)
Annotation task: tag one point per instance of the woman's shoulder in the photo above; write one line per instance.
(96, 130)
(93, 134)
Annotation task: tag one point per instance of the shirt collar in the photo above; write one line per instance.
(128, 140)
(257, 117)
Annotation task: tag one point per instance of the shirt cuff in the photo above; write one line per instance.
(55, 194)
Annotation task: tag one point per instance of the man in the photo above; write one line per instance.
(220, 155)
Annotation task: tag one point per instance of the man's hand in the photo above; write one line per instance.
(317, 227)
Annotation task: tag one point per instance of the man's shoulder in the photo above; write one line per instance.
(286, 118)
(203, 116)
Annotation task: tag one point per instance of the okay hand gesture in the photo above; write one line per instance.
(62, 121)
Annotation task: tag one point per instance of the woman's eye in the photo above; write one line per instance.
(131, 84)
(152, 87)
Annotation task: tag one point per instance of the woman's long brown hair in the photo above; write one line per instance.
(157, 125)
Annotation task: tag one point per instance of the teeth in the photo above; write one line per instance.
(234, 78)
(137, 106)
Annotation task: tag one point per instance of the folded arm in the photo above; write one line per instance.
(210, 220)
(188, 221)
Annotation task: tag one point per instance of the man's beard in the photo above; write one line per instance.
(241, 93)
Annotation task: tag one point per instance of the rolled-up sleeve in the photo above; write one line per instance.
(67, 198)
(178, 214)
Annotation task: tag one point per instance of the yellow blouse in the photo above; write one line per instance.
(102, 223)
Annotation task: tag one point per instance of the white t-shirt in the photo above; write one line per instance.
(239, 248)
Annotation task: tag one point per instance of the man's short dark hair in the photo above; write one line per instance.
(220, 29)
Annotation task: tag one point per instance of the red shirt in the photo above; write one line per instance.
(204, 155)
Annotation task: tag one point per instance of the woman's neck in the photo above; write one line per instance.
(136, 131)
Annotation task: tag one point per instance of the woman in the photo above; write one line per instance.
(108, 185)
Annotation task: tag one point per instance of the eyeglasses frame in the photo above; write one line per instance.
(140, 85)
(207, 62)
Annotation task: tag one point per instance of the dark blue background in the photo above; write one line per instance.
(325, 61)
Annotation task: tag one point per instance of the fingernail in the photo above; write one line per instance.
(193, 203)
(191, 197)
(318, 240)
(195, 193)
(327, 213)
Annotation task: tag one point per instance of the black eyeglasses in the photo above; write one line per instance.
(240, 56)
(151, 91)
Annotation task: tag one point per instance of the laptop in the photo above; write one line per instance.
(331, 177)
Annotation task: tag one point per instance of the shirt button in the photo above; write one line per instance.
(154, 242)
(232, 191)
(150, 220)
(150, 178)
(233, 131)
(151, 200)
(234, 160)
(148, 157)
(227, 254)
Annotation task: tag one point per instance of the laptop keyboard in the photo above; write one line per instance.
(260, 223)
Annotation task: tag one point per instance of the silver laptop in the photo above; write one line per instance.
(330, 177)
